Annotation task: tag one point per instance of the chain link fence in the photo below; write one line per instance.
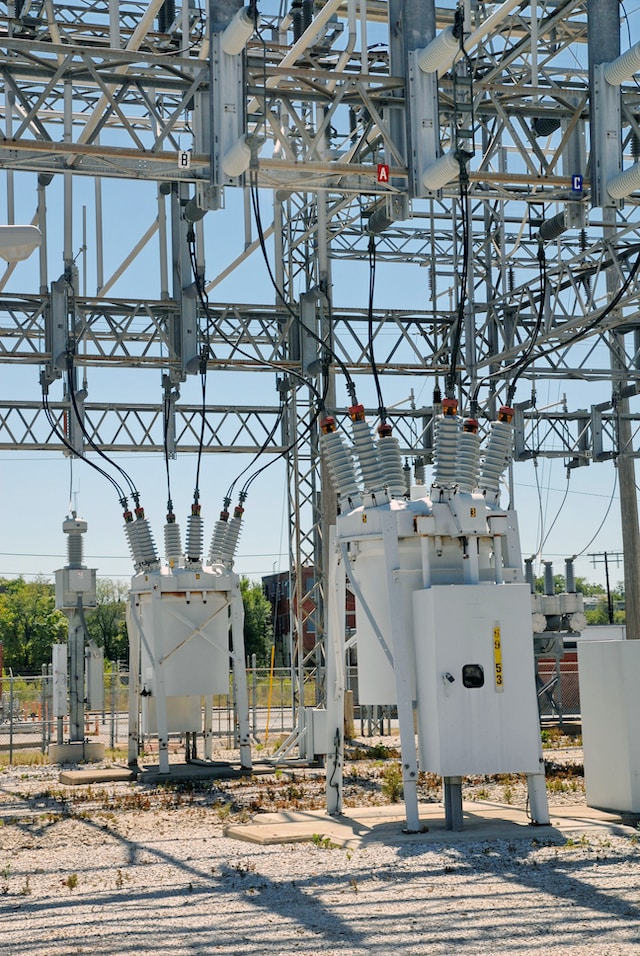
(27, 721)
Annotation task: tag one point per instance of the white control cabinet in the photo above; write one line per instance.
(609, 675)
(477, 703)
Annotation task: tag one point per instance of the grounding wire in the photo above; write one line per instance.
(557, 515)
(606, 515)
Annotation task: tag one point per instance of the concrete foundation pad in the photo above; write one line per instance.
(76, 752)
(200, 770)
(79, 778)
(370, 825)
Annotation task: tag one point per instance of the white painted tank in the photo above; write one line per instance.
(183, 618)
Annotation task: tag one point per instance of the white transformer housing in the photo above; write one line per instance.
(443, 619)
(477, 704)
(185, 627)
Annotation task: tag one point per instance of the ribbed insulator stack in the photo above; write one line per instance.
(391, 462)
(497, 455)
(230, 544)
(468, 456)
(74, 528)
(445, 445)
(173, 552)
(366, 452)
(218, 536)
(130, 534)
(146, 554)
(140, 540)
(195, 535)
(339, 461)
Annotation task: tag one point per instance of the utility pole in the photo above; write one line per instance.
(603, 558)
(604, 46)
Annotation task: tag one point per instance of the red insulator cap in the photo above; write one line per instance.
(195, 509)
(127, 515)
(140, 512)
(328, 425)
(470, 425)
(357, 413)
(224, 516)
(505, 414)
(449, 406)
(238, 511)
(385, 430)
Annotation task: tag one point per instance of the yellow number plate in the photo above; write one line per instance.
(497, 659)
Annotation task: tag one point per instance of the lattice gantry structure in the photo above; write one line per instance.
(490, 147)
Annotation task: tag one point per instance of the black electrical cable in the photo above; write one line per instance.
(63, 438)
(450, 382)
(260, 451)
(301, 436)
(234, 345)
(526, 358)
(581, 333)
(321, 398)
(72, 394)
(462, 156)
(374, 368)
(204, 357)
(165, 445)
(351, 388)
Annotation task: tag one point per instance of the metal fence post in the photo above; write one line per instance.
(254, 693)
(10, 716)
(112, 734)
(43, 708)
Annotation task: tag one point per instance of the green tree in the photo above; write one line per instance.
(106, 622)
(29, 624)
(258, 627)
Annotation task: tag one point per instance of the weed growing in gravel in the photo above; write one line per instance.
(581, 842)
(71, 881)
(120, 879)
(324, 842)
(392, 783)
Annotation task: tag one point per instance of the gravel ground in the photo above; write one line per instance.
(127, 870)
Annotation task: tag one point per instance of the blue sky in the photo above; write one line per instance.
(36, 486)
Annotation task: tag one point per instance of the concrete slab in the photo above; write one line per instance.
(214, 770)
(370, 825)
(83, 777)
